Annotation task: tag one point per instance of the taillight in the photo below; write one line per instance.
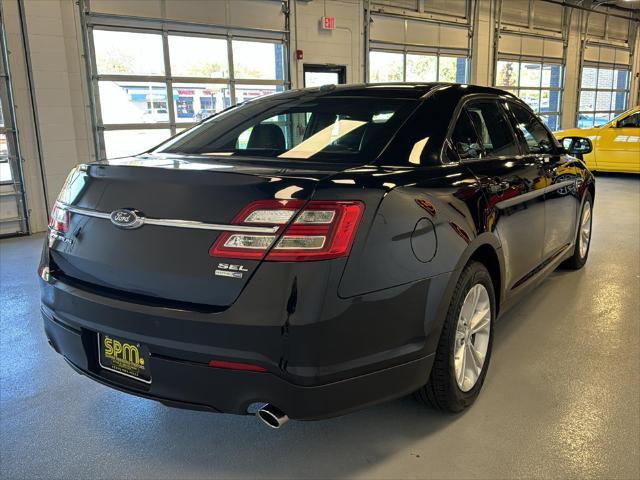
(59, 220)
(321, 231)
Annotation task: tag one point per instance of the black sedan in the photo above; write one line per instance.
(315, 251)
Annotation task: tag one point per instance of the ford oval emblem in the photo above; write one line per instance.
(125, 218)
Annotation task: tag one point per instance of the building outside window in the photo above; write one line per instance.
(416, 67)
(539, 84)
(149, 85)
(604, 94)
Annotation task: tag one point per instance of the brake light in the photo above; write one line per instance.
(321, 231)
(59, 220)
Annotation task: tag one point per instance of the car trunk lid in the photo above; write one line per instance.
(185, 202)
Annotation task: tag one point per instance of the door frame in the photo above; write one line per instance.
(341, 70)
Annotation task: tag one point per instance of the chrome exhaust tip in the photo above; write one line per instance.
(272, 416)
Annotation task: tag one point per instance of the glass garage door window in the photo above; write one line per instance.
(604, 94)
(14, 218)
(416, 67)
(538, 84)
(150, 85)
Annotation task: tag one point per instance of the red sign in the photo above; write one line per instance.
(328, 23)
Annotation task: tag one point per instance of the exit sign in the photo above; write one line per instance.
(328, 23)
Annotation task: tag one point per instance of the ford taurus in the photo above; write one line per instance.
(313, 252)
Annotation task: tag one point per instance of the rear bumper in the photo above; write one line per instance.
(196, 386)
(330, 357)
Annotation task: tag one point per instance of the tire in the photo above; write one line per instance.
(443, 390)
(580, 252)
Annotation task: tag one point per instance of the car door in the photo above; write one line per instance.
(513, 184)
(563, 175)
(619, 145)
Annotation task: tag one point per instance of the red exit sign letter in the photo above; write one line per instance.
(328, 23)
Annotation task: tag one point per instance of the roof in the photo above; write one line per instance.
(397, 90)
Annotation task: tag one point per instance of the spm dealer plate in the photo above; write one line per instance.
(125, 357)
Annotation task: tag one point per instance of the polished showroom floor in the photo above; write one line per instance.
(562, 397)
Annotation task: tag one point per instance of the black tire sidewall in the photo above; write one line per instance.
(477, 274)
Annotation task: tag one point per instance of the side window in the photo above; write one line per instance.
(534, 134)
(465, 139)
(632, 121)
(493, 128)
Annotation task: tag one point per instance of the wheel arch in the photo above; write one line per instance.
(486, 249)
(488, 256)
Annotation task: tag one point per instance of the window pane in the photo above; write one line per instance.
(120, 143)
(536, 136)
(453, 69)
(530, 74)
(193, 102)
(587, 101)
(605, 78)
(1, 117)
(5, 172)
(465, 138)
(5, 168)
(258, 60)
(133, 102)
(322, 129)
(532, 98)
(552, 76)
(493, 129)
(552, 121)
(4, 151)
(128, 53)
(422, 68)
(603, 100)
(317, 79)
(621, 79)
(619, 101)
(507, 74)
(249, 92)
(385, 67)
(601, 119)
(198, 57)
(589, 77)
(585, 120)
(550, 101)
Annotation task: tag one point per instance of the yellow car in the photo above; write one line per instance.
(616, 145)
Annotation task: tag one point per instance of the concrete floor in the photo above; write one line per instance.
(562, 397)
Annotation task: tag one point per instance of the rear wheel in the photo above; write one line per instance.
(583, 236)
(462, 356)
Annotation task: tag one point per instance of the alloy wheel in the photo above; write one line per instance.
(472, 337)
(585, 230)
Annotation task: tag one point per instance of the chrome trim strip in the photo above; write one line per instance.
(169, 222)
(525, 197)
(85, 211)
(558, 186)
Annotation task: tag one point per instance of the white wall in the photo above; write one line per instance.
(55, 42)
(342, 46)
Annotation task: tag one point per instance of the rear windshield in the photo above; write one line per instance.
(345, 129)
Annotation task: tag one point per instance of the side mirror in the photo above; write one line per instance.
(577, 146)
